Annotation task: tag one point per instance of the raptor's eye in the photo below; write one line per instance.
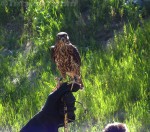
(65, 36)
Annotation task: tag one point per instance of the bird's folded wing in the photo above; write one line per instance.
(75, 54)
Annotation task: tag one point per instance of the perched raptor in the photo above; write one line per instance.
(67, 58)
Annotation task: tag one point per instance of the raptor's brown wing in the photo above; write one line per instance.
(73, 51)
(52, 53)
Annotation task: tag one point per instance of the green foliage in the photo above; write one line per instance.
(116, 78)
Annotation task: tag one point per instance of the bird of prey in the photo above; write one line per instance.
(67, 58)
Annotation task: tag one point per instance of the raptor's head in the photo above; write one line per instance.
(62, 37)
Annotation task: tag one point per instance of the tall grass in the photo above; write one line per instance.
(116, 78)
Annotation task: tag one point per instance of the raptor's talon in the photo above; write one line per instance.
(59, 82)
(58, 79)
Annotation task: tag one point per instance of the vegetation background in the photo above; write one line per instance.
(113, 38)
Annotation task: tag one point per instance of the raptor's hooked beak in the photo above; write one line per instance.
(62, 39)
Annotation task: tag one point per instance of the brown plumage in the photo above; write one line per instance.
(66, 57)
